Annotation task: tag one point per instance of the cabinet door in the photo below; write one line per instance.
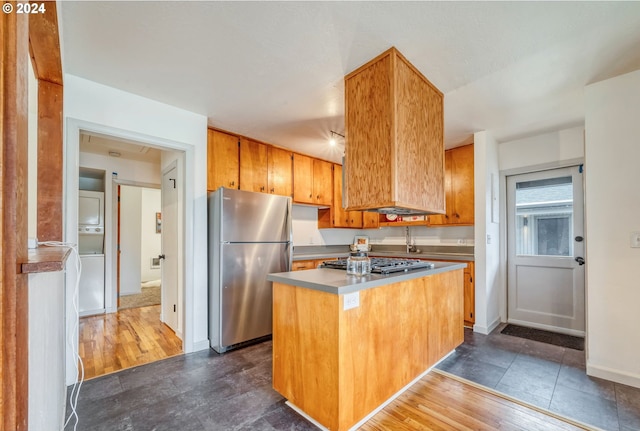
(322, 182)
(341, 217)
(302, 179)
(280, 175)
(462, 184)
(444, 219)
(223, 164)
(253, 166)
(469, 295)
(370, 220)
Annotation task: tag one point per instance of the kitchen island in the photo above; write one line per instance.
(343, 346)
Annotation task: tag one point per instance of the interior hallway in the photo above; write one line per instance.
(115, 341)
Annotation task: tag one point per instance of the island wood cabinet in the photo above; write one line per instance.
(338, 364)
(394, 154)
(312, 180)
(335, 216)
(459, 188)
(223, 157)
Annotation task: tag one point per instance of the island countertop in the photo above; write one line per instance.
(337, 281)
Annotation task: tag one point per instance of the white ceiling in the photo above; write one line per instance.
(114, 147)
(274, 71)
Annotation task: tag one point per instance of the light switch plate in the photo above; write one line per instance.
(635, 240)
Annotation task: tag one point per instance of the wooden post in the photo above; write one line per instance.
(14, 363)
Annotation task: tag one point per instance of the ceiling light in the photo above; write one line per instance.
(333, 141)
(114, 154)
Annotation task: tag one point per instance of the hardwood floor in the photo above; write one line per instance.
(115, 341)
(441, 402)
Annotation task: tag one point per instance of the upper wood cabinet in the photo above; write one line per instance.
(394, 152)
(459, 186)
(223, 169)
(280, 175)
(253, 166)
(336, 216)
(312, 180)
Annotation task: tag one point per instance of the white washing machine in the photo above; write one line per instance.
(91, 289)
(91, 250)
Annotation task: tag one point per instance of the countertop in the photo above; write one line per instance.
(45, 259)
(337, 281)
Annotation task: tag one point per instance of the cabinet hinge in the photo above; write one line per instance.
(471, 314)
(174, 308)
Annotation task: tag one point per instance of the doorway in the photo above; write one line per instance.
(139, 278)
(545, 250)
(127, 336)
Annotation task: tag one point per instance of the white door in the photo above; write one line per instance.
(546, 250)
(170, 249)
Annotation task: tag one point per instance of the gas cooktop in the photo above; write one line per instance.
(384, 265)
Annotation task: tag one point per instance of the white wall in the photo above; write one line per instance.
(130, 239)
(547, 150)
(47, 388)
(150, 244)
(488, 279)
(101, 109)
(306, 232)
(612, 152)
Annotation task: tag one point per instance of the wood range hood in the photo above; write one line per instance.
(394, 140)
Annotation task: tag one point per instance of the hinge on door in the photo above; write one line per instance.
(471, 314)
(174, 308)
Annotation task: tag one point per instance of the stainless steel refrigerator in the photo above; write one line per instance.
(249, 237)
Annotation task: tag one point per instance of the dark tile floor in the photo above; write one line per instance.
(547, 376)
(207, 391)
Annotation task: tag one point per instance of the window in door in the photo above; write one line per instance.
(544, 214)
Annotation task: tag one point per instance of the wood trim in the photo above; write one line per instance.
(14, 306)
(46, 259)
(50, 161)
(44, 44)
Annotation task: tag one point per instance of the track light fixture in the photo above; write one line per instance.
(333, 141)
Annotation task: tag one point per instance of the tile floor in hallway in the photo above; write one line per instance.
(547, 376)
(207, 391)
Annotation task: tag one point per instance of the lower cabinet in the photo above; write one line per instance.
(299, 265)
(469, 295)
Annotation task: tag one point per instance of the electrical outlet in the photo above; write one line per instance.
(462, 241)
(489, 239)
(351, 300)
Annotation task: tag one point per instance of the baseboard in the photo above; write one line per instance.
(629, 379)
(200, 345)
(486, 330)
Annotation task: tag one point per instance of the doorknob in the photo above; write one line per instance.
(580, 260)
(161, 256)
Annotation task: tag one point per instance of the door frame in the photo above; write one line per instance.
(74, 127)
(503, 224)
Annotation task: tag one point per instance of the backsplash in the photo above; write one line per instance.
(306, 232)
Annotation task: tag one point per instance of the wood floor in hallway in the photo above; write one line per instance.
(115, 341)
